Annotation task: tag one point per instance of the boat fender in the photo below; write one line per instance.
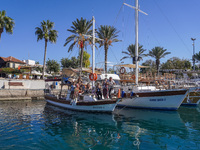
(68, 96)
(119, 94)
(123, 93)
(73, 102)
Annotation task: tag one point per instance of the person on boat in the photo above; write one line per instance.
(98, 91)
(105, 88)
(111, 83)
(88, 88)
(79, 81)
(82, 88)
(76, 91)
(72, 90)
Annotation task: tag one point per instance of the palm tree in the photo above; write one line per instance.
(158, 53)
(46, 32)
(131, 52)
(109, 35)
(197, 56)
(6, 23)
(79, 29)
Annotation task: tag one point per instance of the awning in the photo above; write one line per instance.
(132, 66)
(73, 72)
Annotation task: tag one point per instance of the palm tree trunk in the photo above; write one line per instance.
(45, 52)
(106, 55)
(81, 60)
(133, 63)
(1, 31)
(157, 65)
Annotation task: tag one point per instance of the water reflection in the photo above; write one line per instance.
(18, 123)
(151, 124)
(81, 129)
(37, 125)
(161, 129)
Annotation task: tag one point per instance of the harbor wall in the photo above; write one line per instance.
(23, 89)
(19, 89)
(22, 84)
(21, 94)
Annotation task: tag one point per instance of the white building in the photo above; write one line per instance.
(29, 62)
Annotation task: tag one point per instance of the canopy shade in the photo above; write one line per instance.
(131, 66)
(73, 72)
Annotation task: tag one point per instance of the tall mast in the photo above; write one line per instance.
(136, 43)
(136, 37)
(93, 49)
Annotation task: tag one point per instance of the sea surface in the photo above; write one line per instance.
(35, 125)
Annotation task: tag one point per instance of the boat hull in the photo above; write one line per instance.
(97, 106)
(165, 100)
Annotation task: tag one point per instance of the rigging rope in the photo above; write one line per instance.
(172, 26)
(119, 12)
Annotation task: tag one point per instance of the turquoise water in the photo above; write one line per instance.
(36, 125)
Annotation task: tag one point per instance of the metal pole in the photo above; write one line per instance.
(136, 43)
(193, 59)
(136, 38)
(93, 50)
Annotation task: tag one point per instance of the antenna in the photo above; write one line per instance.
(193, 58)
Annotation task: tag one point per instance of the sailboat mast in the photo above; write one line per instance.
(93, 49)
(136, 43)
(136, 38)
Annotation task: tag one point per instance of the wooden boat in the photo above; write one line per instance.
(84, 102)
(88, 104)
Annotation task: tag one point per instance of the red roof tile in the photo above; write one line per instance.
(12, 59)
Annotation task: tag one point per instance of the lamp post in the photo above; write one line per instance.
(193, 59)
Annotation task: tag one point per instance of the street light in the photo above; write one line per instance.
(193, 59)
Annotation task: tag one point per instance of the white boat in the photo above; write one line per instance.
(84, 102)
(152, 99)
(87, 103)
(163, 99)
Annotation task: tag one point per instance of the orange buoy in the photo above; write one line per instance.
(133, 77)
(93, 76)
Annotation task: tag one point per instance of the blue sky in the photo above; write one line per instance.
(169, 24)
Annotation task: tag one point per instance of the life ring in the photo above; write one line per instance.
(133, 77)
(93, 76)
(122, 70)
